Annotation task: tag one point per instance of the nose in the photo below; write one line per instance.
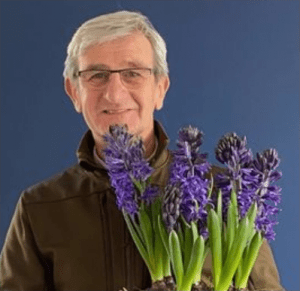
(114, 89)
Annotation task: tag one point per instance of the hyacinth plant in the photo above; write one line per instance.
(243, 215)
(136, 197)
(231, 217)
(184, 214)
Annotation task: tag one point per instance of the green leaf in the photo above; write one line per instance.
(249, 260)
(251, 214)
(138, 230)
(216, 244)
(159, 248)
(146, 228)
(238, 273)
(176, 258)
(180, 236)
(224, 241)
(194, 264)
(166, 264)
(139, 244)
(188, 245)
(211, 186)
(165, 241)
(206, 250)
(234, 257)
(219, 208)
(159, 251)
(194, 231)
(233, 201)
(232, 223)
(163, 234)
(139, 185)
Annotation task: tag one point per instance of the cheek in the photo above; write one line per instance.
(147, 98)
(91, 102)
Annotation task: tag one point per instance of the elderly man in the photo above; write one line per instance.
(67, 233)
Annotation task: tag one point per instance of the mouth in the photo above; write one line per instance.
(119, 111)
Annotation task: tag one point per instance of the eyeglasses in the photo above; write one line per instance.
(131, 77)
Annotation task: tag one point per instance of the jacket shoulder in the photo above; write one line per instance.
(72, 182)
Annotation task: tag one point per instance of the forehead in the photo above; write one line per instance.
(133, 50)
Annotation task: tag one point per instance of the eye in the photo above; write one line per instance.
(130, 74)
(103, 75)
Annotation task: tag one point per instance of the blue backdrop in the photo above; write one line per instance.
(234, 66)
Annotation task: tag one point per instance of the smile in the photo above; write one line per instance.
(115, 111)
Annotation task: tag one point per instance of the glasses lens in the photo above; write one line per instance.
(131, 78)
(135, 77)
(96, 78)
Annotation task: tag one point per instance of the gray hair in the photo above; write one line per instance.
(109, 27)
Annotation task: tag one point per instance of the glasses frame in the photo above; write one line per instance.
(152, 71)
(114, 71)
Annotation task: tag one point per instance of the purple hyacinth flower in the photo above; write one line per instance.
(267, 196)
(150, 194)
(239, 175)
(127, 167)
(125, 193)
(187, 176)
(251, 179)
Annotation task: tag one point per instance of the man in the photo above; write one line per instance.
(67, 233)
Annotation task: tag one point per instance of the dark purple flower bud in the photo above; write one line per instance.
(267, 161)
(190, 138)
(231, 150)
(171, 206)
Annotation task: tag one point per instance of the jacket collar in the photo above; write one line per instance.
(86, 146)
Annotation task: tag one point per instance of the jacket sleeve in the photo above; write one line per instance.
(21, 267)
(264, 275)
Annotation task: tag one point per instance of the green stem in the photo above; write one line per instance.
(215, 244)
(176, 258)
(249, 261)
(234, 257)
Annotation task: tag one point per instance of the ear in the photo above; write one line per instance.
(163, 86)
(72, 91)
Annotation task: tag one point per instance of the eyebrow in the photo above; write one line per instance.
(137, 64)
(96, 67)
(131, 64)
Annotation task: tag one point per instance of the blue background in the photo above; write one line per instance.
(234, 66)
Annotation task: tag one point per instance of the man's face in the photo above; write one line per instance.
(115, 103)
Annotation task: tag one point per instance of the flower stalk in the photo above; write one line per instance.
(184, 210)
(138, 200)
(244, 189)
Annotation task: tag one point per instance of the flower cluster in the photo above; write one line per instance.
(267, 196)
(250, 179)
(187, 179)
(127, 169)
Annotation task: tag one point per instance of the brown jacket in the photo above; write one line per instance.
(67, 234)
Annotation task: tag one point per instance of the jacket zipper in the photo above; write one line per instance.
(106, 242)
(127, 258)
